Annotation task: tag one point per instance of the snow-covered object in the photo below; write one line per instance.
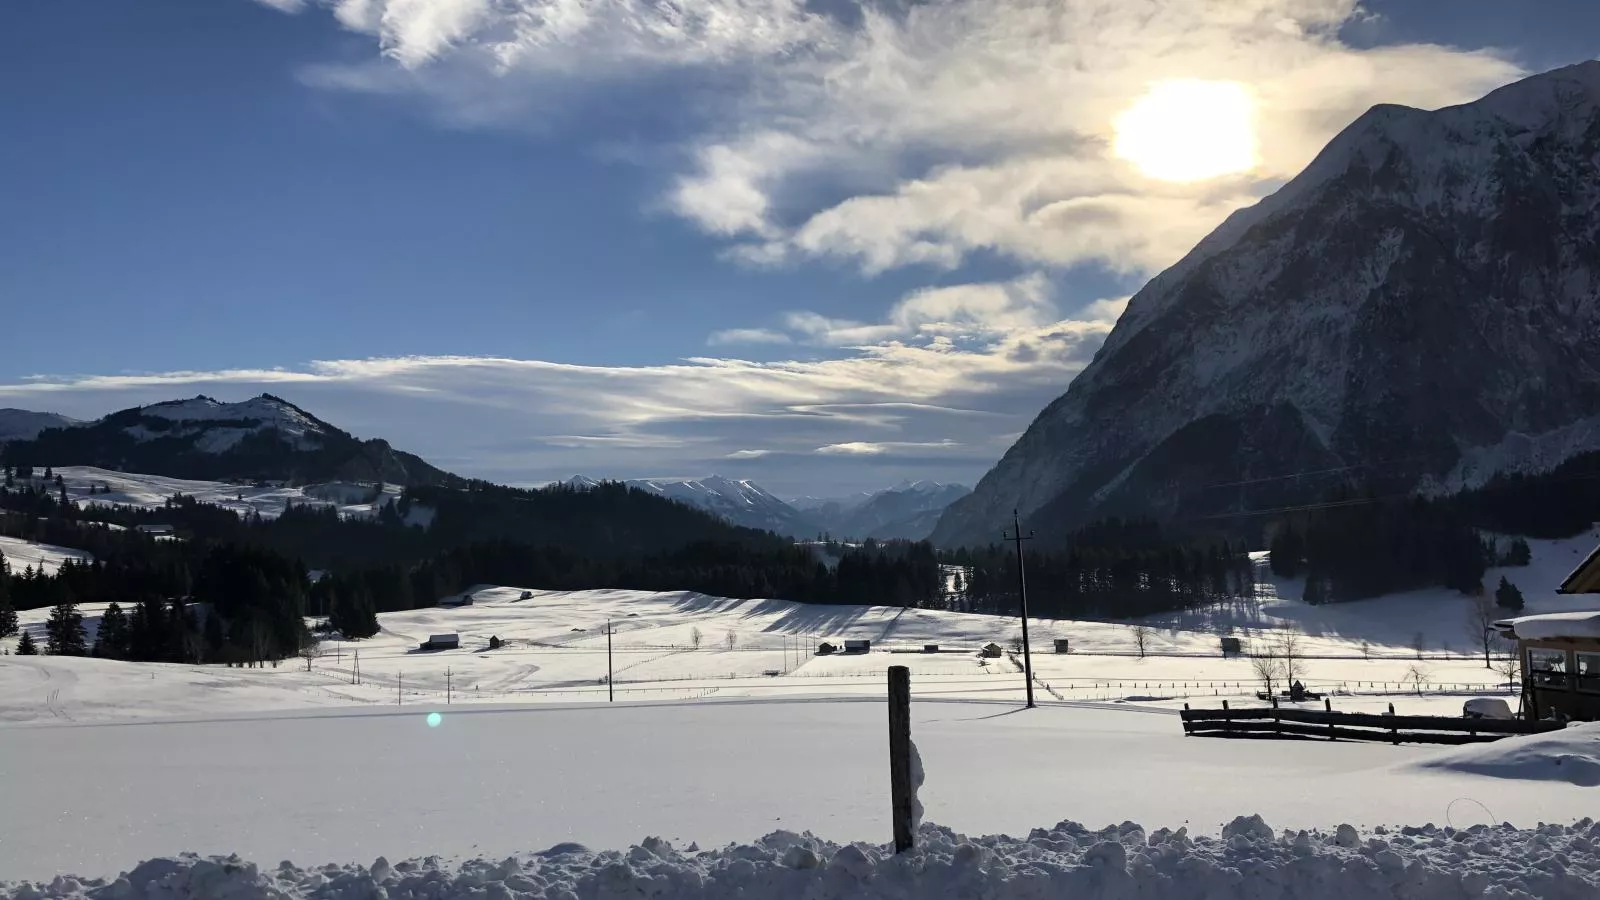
(1584, 624)
(1418, 309)
(1571, 755)
(1487, 708)
(1425, 863)
(918, 776)
(24, 425)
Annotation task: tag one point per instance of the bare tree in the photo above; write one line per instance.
(1288, 653)
(1481, 616)
(1419, 643)
(1267, 666)
(310, 651)
(1366, 650)
(1509, 667)
(1418, 676)
(733, 640)
(695, 637)
(1141, 638)
(1016, 642)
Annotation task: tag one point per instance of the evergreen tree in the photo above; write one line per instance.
(49, 474)
(1316, 592)
(111, 641)
(1507, 596)
(1518, 554)
(26, 646)
(65, 630)
(1288, 550)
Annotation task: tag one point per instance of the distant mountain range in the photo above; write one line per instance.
(268, 438)
(263, 439)
(1417, 311)
(906, 511)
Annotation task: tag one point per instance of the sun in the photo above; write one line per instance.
(1189, 130)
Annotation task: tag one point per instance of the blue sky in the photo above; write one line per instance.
(823, 245)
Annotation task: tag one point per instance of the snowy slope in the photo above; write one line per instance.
(221, 426)
(23, 425)
(20, 554)
(265, 438)
(1417, 309)
(153, 491)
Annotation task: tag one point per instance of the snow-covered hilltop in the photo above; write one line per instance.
(25, 425)
(1416, 310)
(265, 438)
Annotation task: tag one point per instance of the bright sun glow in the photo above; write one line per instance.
(1189, 130)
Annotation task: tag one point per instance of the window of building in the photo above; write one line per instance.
(1588, 671)
(1548, 668)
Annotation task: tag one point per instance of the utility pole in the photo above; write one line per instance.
(611, 691)
(446, 687)
(1017, 537)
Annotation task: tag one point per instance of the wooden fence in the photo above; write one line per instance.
(1303, 724)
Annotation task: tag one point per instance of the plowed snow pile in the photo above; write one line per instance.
(1571, 755)
(1249, 860)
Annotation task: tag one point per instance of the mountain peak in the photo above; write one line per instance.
(1414, 311)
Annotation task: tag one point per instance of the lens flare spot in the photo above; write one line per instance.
(434, 719)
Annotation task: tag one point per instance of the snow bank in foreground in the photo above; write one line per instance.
(1552, 862)
(1571, 755)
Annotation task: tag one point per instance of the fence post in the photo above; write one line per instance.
(1227, 721)
(1394, 728)
(900, 756)
(1277, 723)
(1327, 706)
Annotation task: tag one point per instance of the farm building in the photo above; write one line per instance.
(1063, 645)
(459, 600)
(1561, 653)
(857, 646)
(991, 651)
(441, 642)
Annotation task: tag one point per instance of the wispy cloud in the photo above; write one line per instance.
(879, 448)
(936, 130)
(917, 402)
(748, 336)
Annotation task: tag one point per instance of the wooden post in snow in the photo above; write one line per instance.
(900, 756)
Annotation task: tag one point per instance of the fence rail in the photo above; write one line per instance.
(1274, 722)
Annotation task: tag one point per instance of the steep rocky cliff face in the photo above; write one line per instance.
(1416, 311)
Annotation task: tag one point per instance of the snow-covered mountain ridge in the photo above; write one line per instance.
(265, 438)
(25, 425)
(1418, 310)
(908, 510)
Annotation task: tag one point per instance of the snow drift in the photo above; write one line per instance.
(1571, 755)
(1250, 860)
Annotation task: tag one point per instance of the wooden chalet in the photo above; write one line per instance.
(1561, 653)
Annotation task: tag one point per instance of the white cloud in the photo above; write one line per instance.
(748, 336)
(903, 134)
(288, 6)
(879, 448)
(916, 402)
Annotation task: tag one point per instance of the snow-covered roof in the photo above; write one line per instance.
(1584, 624)
(1585, 579)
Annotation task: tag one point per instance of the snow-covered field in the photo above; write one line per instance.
(20, 554)
(153, 491)
(556, 651)
(493, 781)
(103, 764)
